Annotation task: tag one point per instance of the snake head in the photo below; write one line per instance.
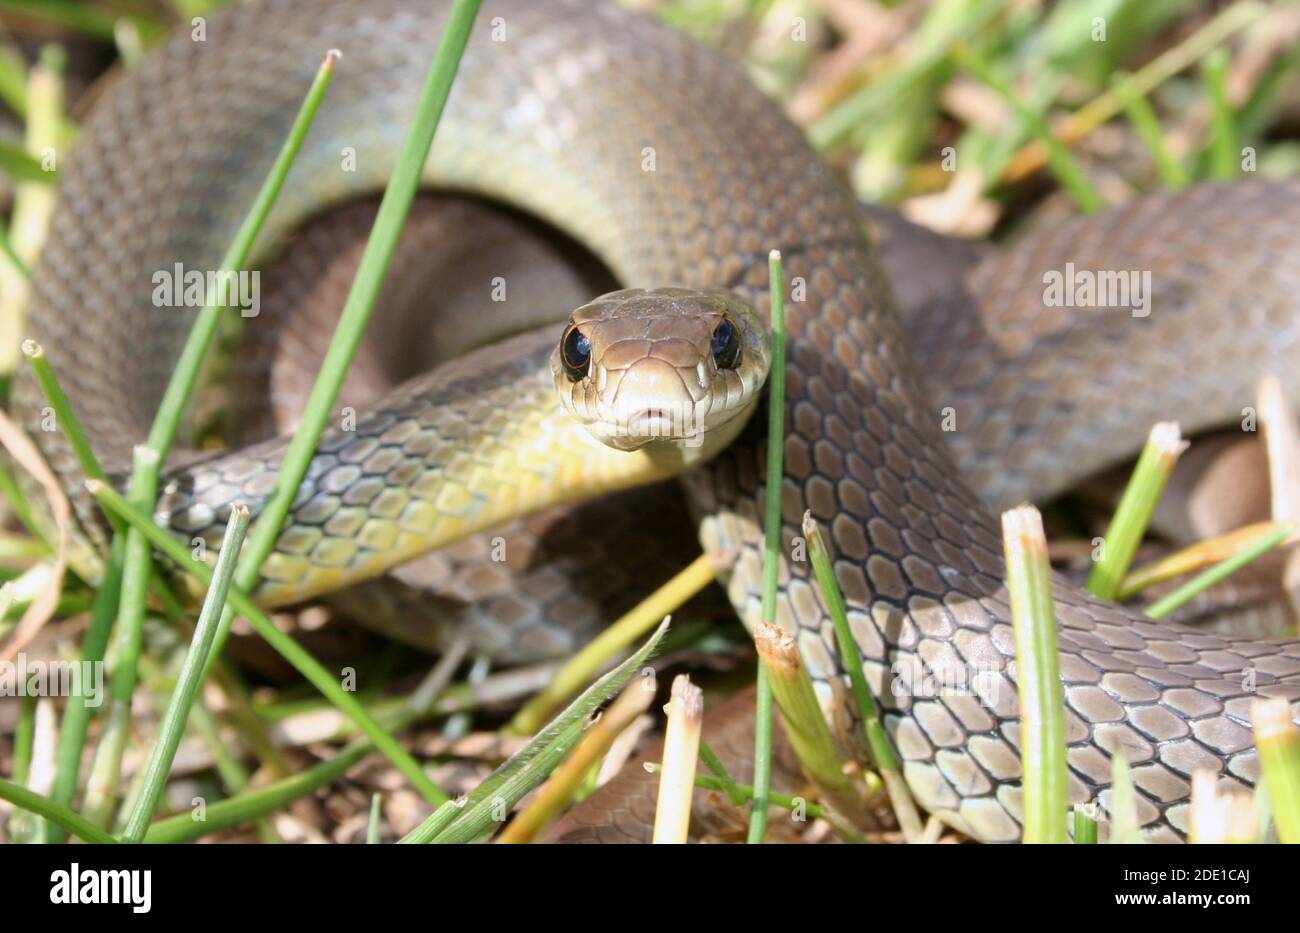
(665, 365)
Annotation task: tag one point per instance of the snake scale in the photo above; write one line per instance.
(668, 166)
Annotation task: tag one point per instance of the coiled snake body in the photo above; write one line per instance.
(669, 167)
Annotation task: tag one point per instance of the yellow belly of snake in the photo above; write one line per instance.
(660, 159)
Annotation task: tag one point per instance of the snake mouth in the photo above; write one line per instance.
(641, 426)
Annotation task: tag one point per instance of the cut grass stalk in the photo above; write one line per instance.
(1218, 818)
(1218, 573)
(882, 752)
(677, 770)
(1038, 676)
(1142, 116)
(596, 654)
(1129, 523)
(568, 777)
(1278, 741)
(187, 683)
(1224, 152)
(493, 799)
(771, 544)
(1201, 555)
(360, 302)
(1124, 826)
(1085, 825)
(55, 813)
(289, 649)
(805, 724)
(1064, 167)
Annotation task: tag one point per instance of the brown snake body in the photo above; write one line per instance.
(659, 158)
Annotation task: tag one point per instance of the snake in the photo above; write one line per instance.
(659, 158)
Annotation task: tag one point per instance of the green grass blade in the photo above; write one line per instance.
(882, 752)
(500, 791)
(289, 649)
(393, 209)
(187, 683)
(1142, 116)
(249, 806)
(771, 546)
(1225, 153)
(1216, 574)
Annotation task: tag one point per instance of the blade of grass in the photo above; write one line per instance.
(129, 634)
(583, 666)
(1224, 151)
(714, 764)
(496, 796)
(77, 714)
(360, 302)
(249, 806)
(289, 649)
(1216, 574)
(1133, 514)
(1198, 556)
(909, 820)
(1142, 116)
(563, 784)
(1038, 676)
(137, 564)
(771, 544)
(187, 683)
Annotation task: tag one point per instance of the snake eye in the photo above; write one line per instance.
(725, 344)
(575, 354)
